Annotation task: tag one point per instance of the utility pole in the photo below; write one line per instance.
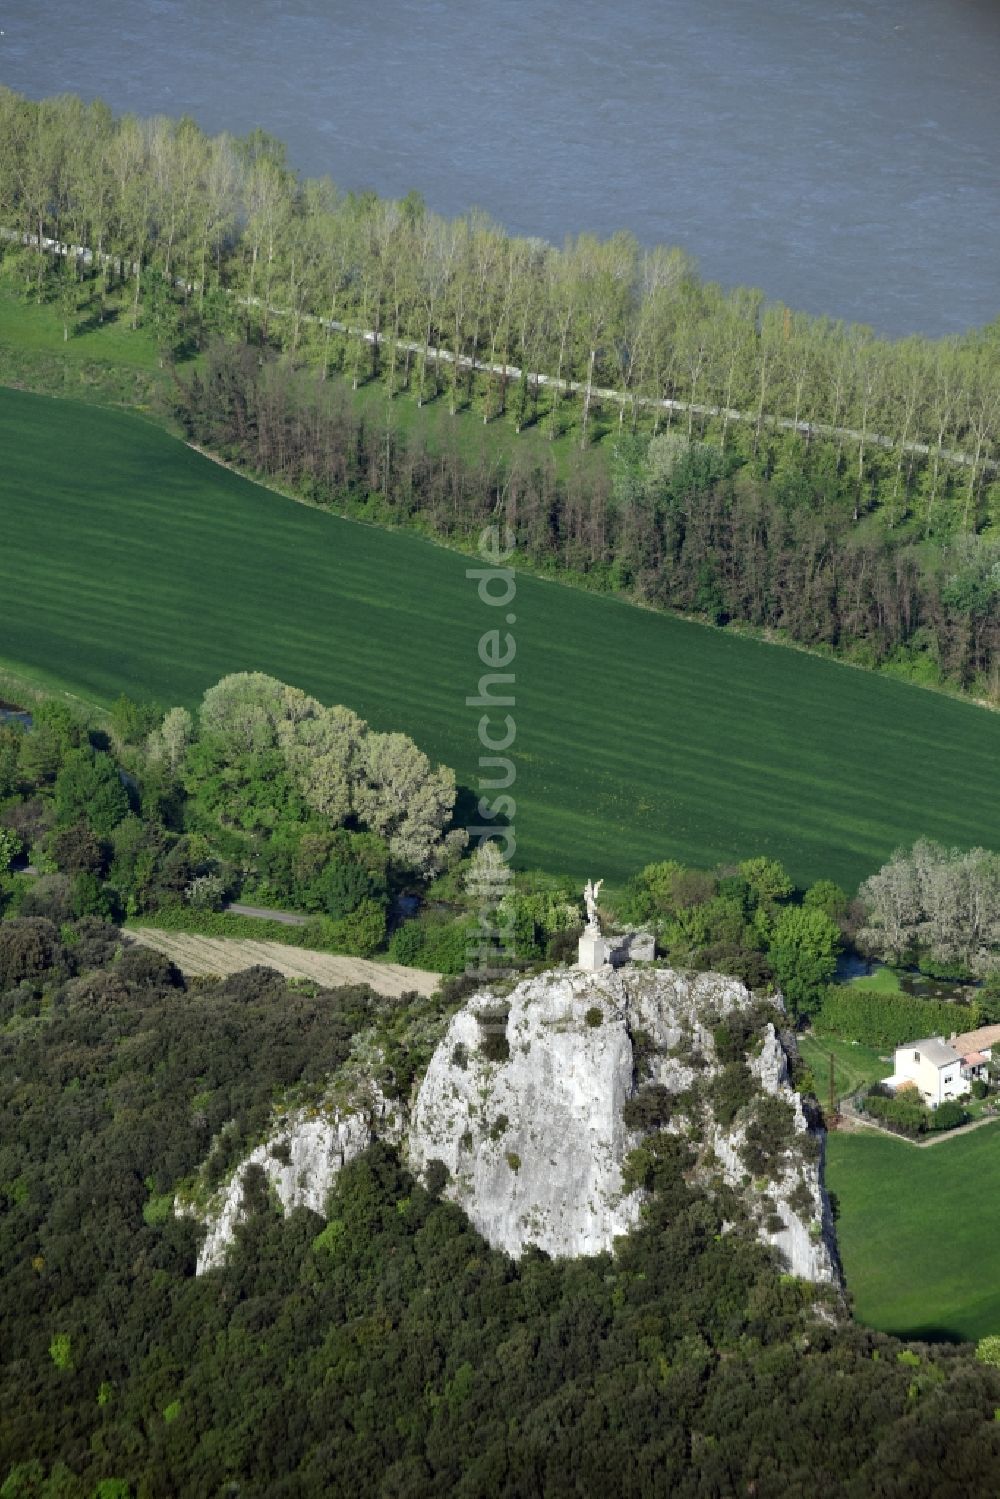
(833, 1095)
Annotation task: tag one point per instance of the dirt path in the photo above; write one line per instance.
(220, 956)
(512, 372)
(852, 1124)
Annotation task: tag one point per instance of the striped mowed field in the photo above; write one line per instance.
(917, 1231)
(130, 563)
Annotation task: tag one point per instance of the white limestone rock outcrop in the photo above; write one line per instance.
(796, 1196)
(523, 1103)
(301, 1157)
(534, 1143)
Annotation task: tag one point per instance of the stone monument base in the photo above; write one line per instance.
(593, 951)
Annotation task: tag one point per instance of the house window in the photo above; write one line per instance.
(916, 1056)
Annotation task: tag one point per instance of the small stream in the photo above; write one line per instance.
(949, 991)
(911, 981)
(10, 714)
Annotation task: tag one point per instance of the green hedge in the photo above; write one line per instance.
(905, 1115)
(440, 946)
(878, 1018)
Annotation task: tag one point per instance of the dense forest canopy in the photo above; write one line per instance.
(386, 1349)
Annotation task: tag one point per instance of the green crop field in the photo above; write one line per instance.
(919, 1231)
(129, 563)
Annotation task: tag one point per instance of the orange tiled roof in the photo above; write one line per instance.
(980, 1040)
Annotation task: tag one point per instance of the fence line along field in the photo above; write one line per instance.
(130, 563)
(218, 957)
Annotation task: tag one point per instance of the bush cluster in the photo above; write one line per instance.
(747, 922)
(905, 1113)
(264, 795)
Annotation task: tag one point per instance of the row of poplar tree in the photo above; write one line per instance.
(160, 201)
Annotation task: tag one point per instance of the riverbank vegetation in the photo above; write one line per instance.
(158, 204)
(740, 501)
(671, 521)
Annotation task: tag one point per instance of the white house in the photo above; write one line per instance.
(936, 1069)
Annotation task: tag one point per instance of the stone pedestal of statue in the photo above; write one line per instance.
(593, 950)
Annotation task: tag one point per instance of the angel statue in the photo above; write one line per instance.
(590, 894)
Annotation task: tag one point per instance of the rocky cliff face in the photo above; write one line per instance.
(796, 1195)
(301, 1157)
(523, 1103)
(679, 1013)
(525, 1100)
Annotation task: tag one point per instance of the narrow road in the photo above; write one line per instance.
(286, 918)
(852, 1123)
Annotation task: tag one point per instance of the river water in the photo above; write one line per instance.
(842, 157)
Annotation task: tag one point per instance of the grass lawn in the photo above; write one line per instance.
(31, 335)
(129, 563)
(882, 981)
(919, 1231)
(853, 1065)
(465, 432)
(37, 327)
(105, 364)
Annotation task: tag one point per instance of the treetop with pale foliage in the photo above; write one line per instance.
(342, 769)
